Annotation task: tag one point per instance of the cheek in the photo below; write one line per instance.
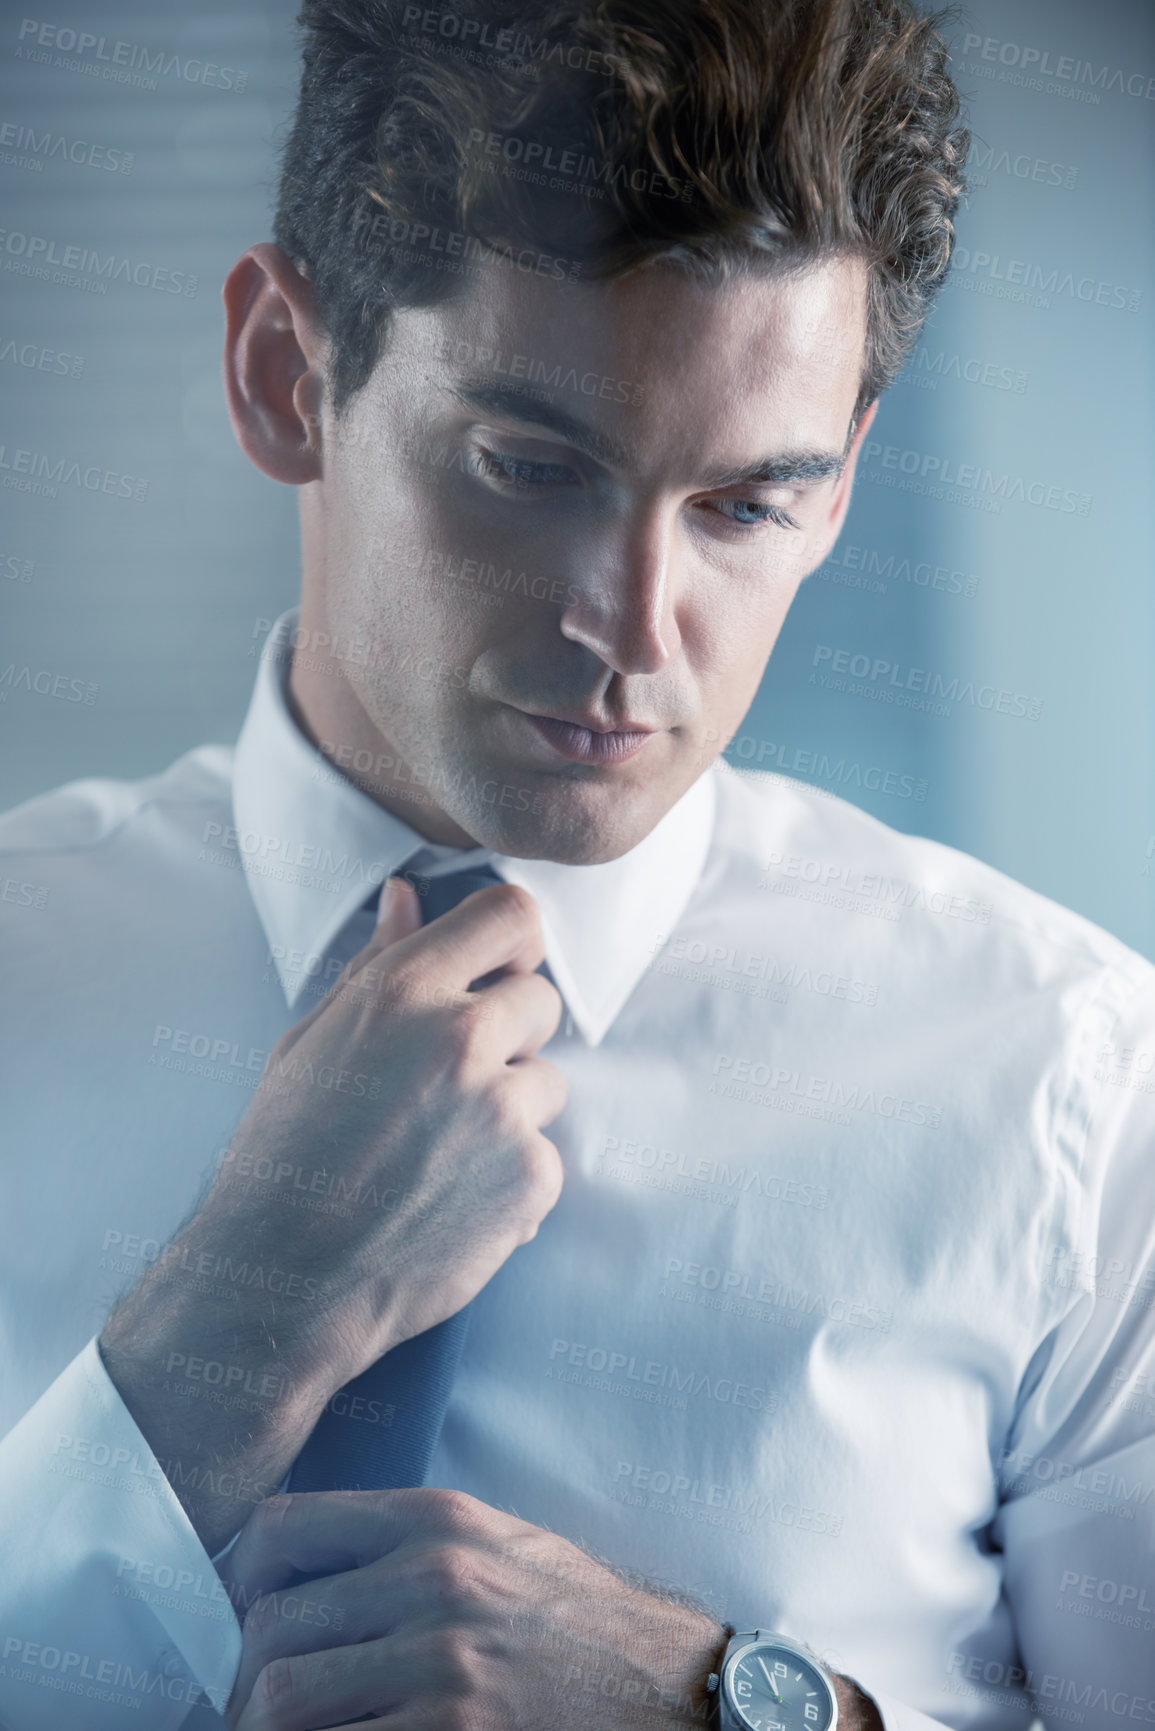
(729, 631)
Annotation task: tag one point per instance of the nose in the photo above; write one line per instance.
(623, 604)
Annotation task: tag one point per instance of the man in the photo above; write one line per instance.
(819, 1315)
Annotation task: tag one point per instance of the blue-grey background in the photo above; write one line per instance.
(1035, 370)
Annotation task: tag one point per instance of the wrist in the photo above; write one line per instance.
(690, 1648)
(856, 1710)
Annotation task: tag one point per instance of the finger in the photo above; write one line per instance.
(331, 1611)
(421, 1673)
(542, 1089)
(398, 911)
(328, 1532)
(519, 1013)
(309, 1691)
(398, 917)
(495, 927)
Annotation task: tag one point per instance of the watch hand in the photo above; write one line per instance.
(767, 1674)
(770, 1680)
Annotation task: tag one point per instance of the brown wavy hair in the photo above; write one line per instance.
(710, 133)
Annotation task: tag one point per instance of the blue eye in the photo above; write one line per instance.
(759, 514)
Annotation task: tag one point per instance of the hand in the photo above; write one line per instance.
(436, 1612)
(449, 1129)
(432, 1169)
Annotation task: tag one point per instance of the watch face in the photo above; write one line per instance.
(772, 1689)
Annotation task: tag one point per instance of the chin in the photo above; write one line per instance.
(574, 824)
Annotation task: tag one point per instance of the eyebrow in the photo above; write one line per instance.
(508, 402)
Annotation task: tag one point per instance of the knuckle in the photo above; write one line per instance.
(456, 1658)
(457, 1509)
(558, 1083)
(453, 1572)
(543, 1186)
(269, 1516)
(458, 1044)
(278, 1686)
(523, 1158)
(505, 1113)
(552, 1172)
(516, 903)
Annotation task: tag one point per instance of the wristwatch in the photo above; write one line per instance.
(769, 1683)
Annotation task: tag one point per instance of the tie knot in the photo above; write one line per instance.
(440, 894)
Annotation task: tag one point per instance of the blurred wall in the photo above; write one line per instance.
(973, 663)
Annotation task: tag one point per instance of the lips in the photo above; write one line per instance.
(589, 744)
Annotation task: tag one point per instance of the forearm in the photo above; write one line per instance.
(224, 1383)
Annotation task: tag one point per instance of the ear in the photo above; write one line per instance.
(831, 529)
(274, 365)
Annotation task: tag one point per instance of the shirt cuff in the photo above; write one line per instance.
(108, 1596)
(897, 1716)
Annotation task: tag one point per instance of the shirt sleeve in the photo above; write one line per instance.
(1076, 1519)
(898, 1716)
(107, 1596)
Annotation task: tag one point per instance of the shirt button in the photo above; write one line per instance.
(173, 1666)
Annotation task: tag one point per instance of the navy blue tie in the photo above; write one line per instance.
(380, 1430)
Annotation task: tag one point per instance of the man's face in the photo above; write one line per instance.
(587, 504)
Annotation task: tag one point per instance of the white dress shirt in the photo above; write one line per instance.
(842, 1321)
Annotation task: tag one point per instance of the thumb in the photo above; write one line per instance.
(398, 913)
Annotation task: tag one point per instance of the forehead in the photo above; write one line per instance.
(659, 349)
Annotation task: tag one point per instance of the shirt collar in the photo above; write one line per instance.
(313, 847)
